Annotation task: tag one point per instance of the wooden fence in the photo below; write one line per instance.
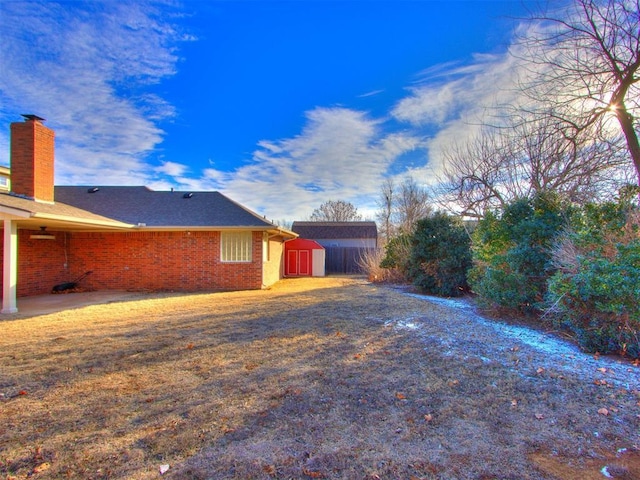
(343, 259)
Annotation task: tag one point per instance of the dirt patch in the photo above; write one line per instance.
(623, 465)
(315, 378)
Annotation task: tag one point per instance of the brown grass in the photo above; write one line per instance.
(369, 263)
(306, 380)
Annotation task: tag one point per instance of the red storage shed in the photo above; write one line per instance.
(303, 258)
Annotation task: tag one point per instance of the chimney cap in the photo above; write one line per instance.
(29, 117)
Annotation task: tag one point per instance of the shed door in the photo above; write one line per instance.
(292, 263)
(304, 262)
(298, 263)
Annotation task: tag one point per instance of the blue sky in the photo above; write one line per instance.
(279, 105)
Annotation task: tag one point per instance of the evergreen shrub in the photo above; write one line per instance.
(512, 252)
(440, 255)
(596, 291)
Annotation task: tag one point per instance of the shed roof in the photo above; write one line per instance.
(141, 205)
(333, 230)
(302, 244)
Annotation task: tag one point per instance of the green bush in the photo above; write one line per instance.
(596, 290)
(440, 255)
(512, 252)
(397, 256)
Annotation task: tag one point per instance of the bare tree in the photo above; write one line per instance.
(386, 203)
(530, 157)
(400, 207)
(336, 211)
(586, 65)
(472, 178)
(412, 203)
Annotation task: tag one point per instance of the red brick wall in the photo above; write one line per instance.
(40, 262)
(139, 261)
(32, 157)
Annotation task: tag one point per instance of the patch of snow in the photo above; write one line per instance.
(407, 323)
(463, 336)
(605, 472)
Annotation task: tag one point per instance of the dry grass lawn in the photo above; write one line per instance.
(310, 379)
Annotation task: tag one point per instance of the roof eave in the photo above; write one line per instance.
(210, 228)
(88, 222)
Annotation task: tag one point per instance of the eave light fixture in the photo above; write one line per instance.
(43, 235)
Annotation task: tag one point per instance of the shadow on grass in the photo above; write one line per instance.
(307, 384)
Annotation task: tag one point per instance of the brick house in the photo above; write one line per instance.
(131, 238)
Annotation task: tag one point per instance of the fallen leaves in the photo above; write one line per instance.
(41, 468)
(270, 470)
(603, 383)
(400, 396)
(312, 473)
(603, 411)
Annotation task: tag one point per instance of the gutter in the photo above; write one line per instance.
(77, 221)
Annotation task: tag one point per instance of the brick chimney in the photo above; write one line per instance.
(32, 157)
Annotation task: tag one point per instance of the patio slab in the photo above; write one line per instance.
(51, 303)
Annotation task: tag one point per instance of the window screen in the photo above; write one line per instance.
(235, 247)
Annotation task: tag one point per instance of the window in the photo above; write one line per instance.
(235, 246)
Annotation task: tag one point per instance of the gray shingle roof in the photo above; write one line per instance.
(135, 205)
(334, 230)
(50, 210)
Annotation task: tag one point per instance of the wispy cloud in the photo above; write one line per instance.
(339, 154)
(373, 93)
(86, 66)
(454, 99)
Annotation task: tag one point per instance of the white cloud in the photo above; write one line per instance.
(456, 99)
(371, 94)
(80, 64)
(427, 105)
(340, 154)
(172, 169)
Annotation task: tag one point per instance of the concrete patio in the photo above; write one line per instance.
(51, 303)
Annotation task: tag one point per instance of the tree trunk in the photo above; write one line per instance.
(626, 123)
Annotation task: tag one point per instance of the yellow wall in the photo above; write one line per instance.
(273, 269)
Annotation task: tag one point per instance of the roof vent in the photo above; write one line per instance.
(187, 195)
(93, 190)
